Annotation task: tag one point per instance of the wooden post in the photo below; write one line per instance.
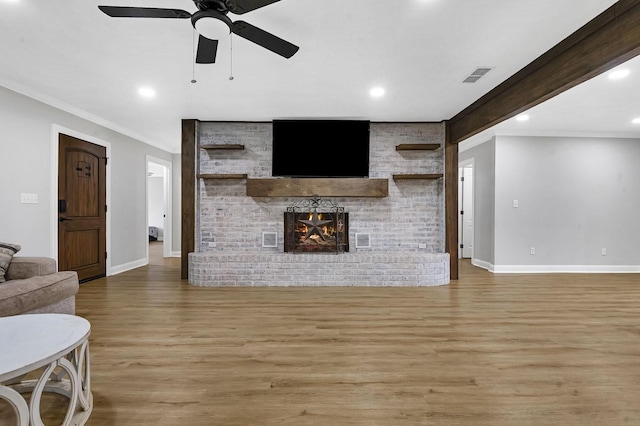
(188, 193)
(451, 202)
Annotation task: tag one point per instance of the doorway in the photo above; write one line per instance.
(465, 211)
(159, 207)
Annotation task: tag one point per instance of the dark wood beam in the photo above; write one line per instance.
(323, 187)
(610, 39)
(451, 203)
(188, 198)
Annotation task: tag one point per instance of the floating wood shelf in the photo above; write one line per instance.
(322, 187)
(223, 176)
(222, 146)
(417, 146)
(417, 176)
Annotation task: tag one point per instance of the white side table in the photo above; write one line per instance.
(57, 343)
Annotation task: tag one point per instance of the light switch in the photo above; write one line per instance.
(28, 198)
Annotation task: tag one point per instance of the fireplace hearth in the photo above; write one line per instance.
(316, 226)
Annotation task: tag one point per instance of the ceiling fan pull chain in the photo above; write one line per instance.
(230, 56)
(193, 63)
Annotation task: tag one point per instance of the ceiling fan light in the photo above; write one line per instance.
(212, 28)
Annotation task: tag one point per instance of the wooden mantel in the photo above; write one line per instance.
(323, 187)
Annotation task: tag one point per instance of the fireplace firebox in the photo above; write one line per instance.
(316, 226)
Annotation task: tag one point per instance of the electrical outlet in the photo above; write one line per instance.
(532, 250)
(604, 251)
(422, 246)
(212, 245)
(515, 204)
(28, 198)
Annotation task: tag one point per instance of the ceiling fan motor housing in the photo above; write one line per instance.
(217, 5)
(225, 6)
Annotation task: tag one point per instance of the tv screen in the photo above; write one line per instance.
(320, 148)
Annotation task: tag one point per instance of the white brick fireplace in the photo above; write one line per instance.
(406, 228)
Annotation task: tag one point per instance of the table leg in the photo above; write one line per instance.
(17, 402)
(77, 388)
(82, 364)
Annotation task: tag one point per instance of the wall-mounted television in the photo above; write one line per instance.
(320, 148)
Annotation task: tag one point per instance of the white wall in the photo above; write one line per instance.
(26, 128)
(576, 196)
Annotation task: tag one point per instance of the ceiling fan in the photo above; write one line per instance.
(208, 11)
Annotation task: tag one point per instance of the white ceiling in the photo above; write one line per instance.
(69, 54)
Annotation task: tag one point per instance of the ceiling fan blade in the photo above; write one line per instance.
(264, 39)
(239, 7)
(207, 50)
(143, 12)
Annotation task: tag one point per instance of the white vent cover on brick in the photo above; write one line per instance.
(269, 239)
(477, 74)
(363, 240)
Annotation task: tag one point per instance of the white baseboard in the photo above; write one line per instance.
(556, 269)
(482, 264)
(128, 266)
(176, 254)
(570, 269)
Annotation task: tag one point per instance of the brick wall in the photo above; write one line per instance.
(222, 269)
(229, 224)
(412, 214)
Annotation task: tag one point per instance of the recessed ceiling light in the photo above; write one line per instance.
(636, 120)
(618, 74)
(522, 117)
(377, 92)
(146, 92)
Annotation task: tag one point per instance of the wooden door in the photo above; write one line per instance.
(82, 208)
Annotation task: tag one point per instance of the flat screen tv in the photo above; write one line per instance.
(321, 148)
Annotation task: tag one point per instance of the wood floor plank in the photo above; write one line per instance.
(508, 349)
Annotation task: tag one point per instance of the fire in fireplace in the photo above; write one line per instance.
(308, 230)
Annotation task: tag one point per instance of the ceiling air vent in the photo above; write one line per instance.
(477, 74)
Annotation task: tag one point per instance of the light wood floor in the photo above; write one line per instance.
(561, 349)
